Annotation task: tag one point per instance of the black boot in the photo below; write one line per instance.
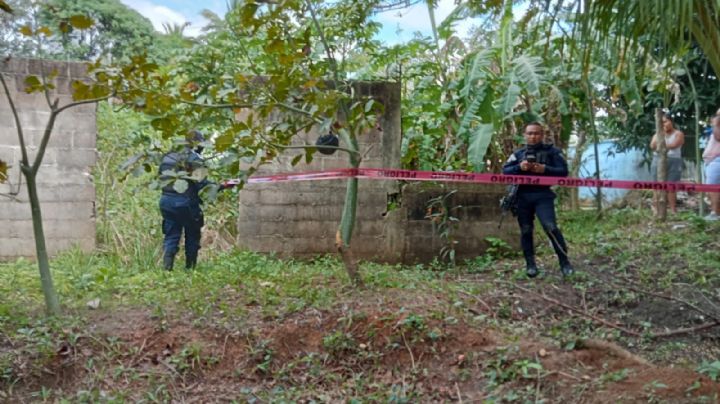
(190, 261)
(531, 269)
(168, 261)
(567, 269)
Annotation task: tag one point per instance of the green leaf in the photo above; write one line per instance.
(369, 105)
(81, 21)
(223, 142)
(296, 159)
(26, 30)
(32, 83)
(479, 142)
(45, 31)
(180, 186)
(507, 103)
(3, 171)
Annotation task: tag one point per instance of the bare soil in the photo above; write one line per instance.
(369, 344)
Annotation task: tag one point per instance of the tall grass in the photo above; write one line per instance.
(128, 216)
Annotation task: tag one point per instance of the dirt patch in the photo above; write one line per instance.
(364, 350)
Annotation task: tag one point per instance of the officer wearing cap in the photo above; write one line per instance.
(538, 158)
(180, 209)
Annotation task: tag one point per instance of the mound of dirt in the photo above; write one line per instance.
(333, 355)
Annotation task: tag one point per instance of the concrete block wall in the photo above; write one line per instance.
(476, 207)
(65, 187)
(300, 219)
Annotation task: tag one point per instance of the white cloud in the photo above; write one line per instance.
(417, 19)
(159, 14)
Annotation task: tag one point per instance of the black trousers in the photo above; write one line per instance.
(180, 214)
(539, 203)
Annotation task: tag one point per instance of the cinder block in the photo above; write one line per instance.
(13, 210)
(249, 196)
(77, 70)
(322, 213)
(274, 244)
(15, 228)
(33, 119)
(69, 229)
(34, 101)
(79, 158)
(278, 213)
(58, 245)
(14, 65)
(247, 227)
(278, 197)
(62, 175)
(273, 228)
(85, 136)
(68, 210)
(59, 139)
(17, 247)
(370, 227)
(43, 67)
(68, 193)
(48, 158)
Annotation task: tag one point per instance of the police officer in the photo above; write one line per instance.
(538, 158)
(181, 211)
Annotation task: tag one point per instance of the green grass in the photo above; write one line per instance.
(230, 290)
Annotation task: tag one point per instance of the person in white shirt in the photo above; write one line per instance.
(674, 139)
(711, 157)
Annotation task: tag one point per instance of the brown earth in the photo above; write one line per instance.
(373, 345)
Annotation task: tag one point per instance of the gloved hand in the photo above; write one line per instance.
(226, 185)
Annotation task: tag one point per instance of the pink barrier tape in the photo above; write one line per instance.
(482, 178)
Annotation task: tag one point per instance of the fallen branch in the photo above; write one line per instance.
(635, 288)
(687, 330)
(573, 309)
(678, 331)
(482, 302)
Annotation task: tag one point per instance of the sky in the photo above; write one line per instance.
(398, 25)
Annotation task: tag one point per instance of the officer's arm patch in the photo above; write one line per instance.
(511, 158)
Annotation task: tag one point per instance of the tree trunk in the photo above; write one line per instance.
(575, 169)
(51, 300)
(349, 213)
(596, 140)
(661, 213)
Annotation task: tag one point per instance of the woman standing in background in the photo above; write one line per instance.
(674, 139)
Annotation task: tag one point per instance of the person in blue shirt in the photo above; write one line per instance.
(181, 208)
(538, 158)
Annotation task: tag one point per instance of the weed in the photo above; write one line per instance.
(444, 223)
(339, 343)
(710, 369)
(190, 359)
(262, 355)
(616, 376)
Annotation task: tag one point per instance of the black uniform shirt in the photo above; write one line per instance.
(549, 155)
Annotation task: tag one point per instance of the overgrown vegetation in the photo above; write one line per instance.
(283, 328)
(250, 327)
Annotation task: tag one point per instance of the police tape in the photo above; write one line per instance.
(480, 178)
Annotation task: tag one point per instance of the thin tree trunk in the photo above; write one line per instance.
(591, 109)
(347, 224)
(52, 303)
(661, 213)
(575, 169)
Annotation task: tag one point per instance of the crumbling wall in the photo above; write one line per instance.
(300, 219)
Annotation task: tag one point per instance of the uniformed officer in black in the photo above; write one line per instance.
(181, 211)
(538, 158)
